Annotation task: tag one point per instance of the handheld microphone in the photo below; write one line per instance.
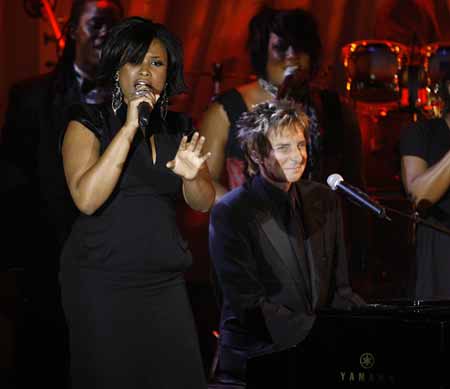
(289, 78)
(336, 182)
(144, 114)
(295, 85)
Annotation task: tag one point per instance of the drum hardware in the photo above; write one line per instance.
(217, 71)
(374, 68)
(380, 126)
(413, 83)
(413, 78)
(381, 71)
(436, 62)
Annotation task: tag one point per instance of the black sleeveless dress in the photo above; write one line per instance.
(123, 291)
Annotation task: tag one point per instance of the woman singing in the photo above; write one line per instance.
(123, 291)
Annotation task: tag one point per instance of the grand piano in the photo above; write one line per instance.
(394, 344)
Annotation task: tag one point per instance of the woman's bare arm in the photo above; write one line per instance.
(92, 177)
(426, 185)
(214, 126)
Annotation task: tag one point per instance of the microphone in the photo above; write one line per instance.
(295, 85)
(336, 182)
(144, 114)
(289, 78)
(144, 110)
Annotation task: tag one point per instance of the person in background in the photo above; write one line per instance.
(129, 317)
(276, 242)
(35, 118)
(279, 42)
(425, 167)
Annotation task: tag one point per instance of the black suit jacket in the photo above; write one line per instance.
(42, 213)
(266, 298)
(34, 121)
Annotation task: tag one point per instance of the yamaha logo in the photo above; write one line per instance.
(366, 375)
(367, 360)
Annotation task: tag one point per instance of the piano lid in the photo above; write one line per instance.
(416, 307)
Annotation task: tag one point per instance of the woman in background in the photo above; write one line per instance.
(280, 40)
(425, 158)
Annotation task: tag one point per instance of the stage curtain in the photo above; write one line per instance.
(215, 31)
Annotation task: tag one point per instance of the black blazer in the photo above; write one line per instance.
(35, 118)
(264, 294)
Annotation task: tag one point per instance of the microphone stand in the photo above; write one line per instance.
(417, 219)
(416, 302)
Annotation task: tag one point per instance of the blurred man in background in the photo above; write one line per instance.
(40, 210)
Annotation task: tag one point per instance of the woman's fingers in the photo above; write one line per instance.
(193, 142)
(206, 156)
(196, 143)
(195, 146)
(183, 144)
(198, 147)
(143, 94)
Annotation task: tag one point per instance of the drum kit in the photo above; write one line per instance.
(385, 71)
(391, 86)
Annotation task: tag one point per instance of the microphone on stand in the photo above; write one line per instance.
(336, 182)
(295, 85)
(285, 89)
(217, 78)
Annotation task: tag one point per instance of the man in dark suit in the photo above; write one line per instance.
(44, 211)
(276, 242)
(36, 113)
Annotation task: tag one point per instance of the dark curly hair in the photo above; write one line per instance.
(128, 42)
(296, 26)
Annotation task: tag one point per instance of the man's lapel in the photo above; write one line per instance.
(275, 234)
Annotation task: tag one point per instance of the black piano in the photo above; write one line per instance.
(396, 344)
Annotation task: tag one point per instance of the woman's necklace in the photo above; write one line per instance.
(268, 87)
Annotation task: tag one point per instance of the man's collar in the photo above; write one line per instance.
(80, 74)
(278, 200)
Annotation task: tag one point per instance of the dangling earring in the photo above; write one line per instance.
(117, 96)
(164, 103)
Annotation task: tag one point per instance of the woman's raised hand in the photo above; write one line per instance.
(188, 160)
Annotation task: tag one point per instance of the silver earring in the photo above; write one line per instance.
(164, 103)
(117, 96)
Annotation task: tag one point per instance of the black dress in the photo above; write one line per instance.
(123, 290)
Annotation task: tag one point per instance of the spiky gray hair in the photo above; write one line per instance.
(254, 127)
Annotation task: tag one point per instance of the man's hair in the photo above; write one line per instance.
(254, 127)
(297, 27)
(128, 42)
(68, 55)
